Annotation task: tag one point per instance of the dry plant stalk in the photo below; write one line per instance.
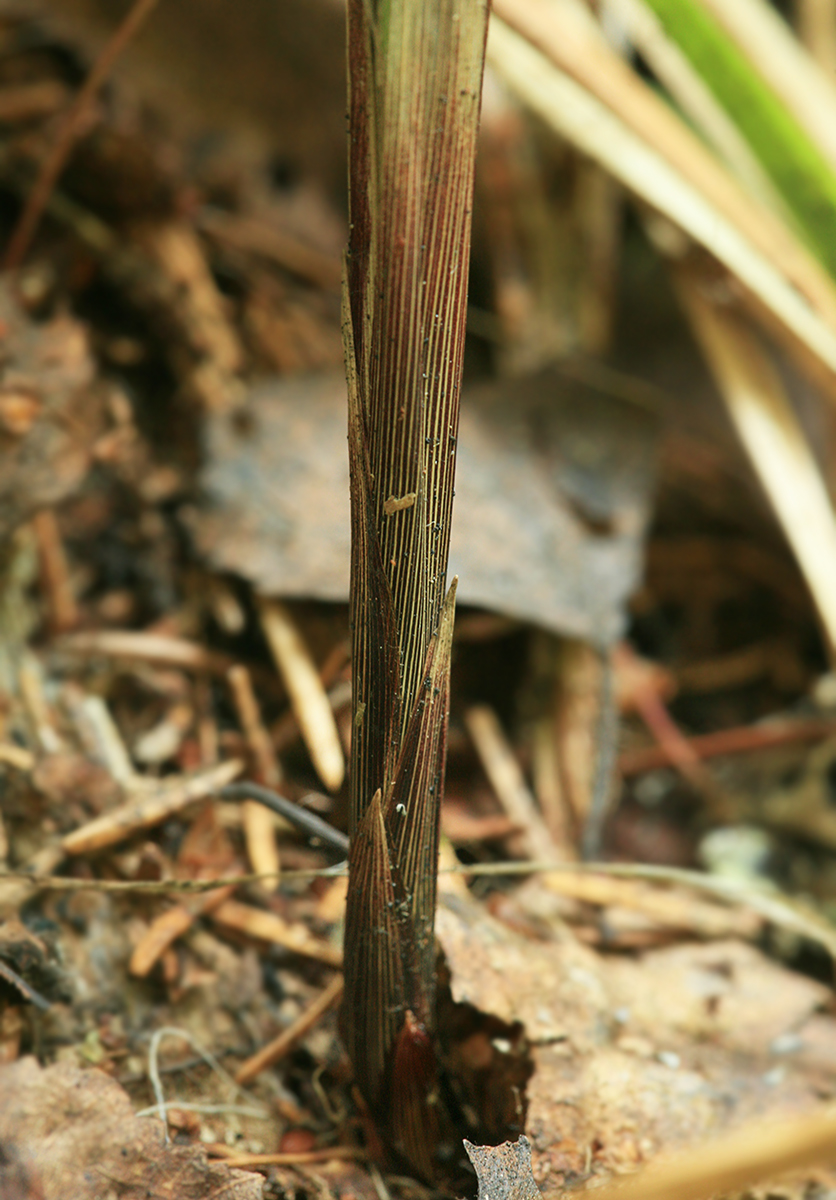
(757, 402)
(415, 70)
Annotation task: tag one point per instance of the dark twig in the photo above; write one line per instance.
(28, 992)
(69, 132)
(605, 758)
(308, 822)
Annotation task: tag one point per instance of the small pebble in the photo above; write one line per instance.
(297, 1141)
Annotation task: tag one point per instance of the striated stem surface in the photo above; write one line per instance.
(415, 72)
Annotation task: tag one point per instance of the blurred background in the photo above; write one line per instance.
(644, 528)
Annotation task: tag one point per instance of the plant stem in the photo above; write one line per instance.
(415, 70)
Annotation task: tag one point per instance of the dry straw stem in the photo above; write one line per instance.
(817, 30)
(269, 927)
(145, 810)
(307, 695)
(325, 1154)
(508, 782)
(135, 646)
(270, 1054)
(415, 76)
(779, 910)
(664, 907)
(589, 96)
(732, 1164)
(768, 427)
(258, 822)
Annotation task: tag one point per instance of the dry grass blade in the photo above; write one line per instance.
(566, 34)
(307, 695)
(778, 276)
(676, 74)
(733, 1164)
(817, 31)
(508, 782)
(792, 73)
(145, 810)
(798, 169)
(415, 73)
(769, 429)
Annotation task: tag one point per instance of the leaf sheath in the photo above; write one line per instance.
(415, 70)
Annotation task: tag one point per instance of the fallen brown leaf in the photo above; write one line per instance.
(74, 1136)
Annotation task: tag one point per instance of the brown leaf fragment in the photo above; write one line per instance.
(80, 1129)
(398, 503)
(145, 810)
(274, 510)
(504, 1172)
(18, 1179)
(413, 1119)
(28, 968)
(48, 419)
(637, 1055)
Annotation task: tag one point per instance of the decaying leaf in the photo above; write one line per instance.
(552, 497)
(75, 1135)
(28, 970)
(504, 1172)
(642, 1054)
(48, 420)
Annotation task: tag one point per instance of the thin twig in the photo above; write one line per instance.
(302, 818)
(774, 907)
(307, 695)
(144, 810)
(26, 990)
(56, 159)
(300, 1158)
(741, 739)
(162, 1106)
(137, 646)
(270, 1054)
(259, 825)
